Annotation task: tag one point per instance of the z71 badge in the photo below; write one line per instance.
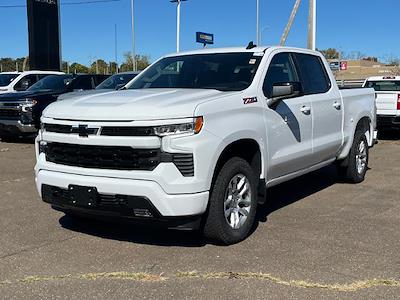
(250, 100)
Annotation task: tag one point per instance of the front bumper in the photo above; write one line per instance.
(392, 121)
(165, 205)
(16, 127)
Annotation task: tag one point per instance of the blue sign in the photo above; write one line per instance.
(204, 38)
(335, 65)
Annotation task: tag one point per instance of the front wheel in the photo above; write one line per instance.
(233, 203)
(357, 160)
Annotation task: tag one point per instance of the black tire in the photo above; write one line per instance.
(216, 227)
(350, 172)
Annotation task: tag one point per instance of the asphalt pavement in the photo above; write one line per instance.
(317, 238)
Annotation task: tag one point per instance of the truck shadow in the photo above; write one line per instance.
(19, 140)
(278, 198)
(135, 233)
(297, 189)
(389, 135)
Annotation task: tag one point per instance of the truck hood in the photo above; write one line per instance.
(82, 93)
(133, 105)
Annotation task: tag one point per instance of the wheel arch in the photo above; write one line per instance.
(248, 149)
(363, 123)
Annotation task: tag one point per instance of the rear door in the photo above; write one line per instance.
(326, 104)
(288, 124)
(387, 96)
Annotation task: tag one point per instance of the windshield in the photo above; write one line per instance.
(224, 72)
(384, 86)
(117, 79)
(52, 82)
(6, 79)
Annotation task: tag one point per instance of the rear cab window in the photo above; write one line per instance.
(384, 85)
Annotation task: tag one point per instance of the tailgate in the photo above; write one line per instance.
(386, 103)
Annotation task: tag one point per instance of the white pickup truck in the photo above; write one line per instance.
(198, 137)
(387, 90)
(11, 82)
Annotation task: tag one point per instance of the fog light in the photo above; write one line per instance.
(42, 147)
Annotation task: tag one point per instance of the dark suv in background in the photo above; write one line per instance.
(20, 112)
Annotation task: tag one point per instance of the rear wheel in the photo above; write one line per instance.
(357, 161)
(233, 203)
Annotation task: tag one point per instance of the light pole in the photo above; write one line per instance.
(134, 66)
(261, 33)
(178, 22)
(312, 24)
(258, 22)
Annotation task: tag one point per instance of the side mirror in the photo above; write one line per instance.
(284, 90)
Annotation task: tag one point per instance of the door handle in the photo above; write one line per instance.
(337, 105)
(305, 110)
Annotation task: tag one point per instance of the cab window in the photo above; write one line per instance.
(315, 80)
(281, 70)
(26, 82)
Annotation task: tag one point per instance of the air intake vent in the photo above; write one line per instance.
(184, 163)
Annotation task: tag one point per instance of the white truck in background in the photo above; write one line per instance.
(198, 137)
(11, 82)
(387, 89)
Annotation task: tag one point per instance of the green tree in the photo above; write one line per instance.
(7, 64)
(330, 53)
(142, 62)
(99, 67)
(78, 68)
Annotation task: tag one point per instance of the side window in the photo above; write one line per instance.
(25, 83)
(280, 70)
(41, 76)
(315, 80)
(99, 79)
(83, 83)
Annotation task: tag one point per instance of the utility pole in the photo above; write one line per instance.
(290, 23)
(178, 22)
(258, 22)
(134, 65)
(116, 47)
(312, 25)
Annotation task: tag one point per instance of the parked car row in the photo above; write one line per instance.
(31, 92)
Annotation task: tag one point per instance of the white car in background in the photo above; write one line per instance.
(21, 81)
(387, 90)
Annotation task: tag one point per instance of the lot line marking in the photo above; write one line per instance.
(346, 287)
(148, 277)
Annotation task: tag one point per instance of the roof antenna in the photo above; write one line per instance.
(251, 46)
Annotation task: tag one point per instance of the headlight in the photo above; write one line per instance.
(42, 147)
(191, 127)
(27, 105)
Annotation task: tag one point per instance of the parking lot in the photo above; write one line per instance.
(316, 239)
